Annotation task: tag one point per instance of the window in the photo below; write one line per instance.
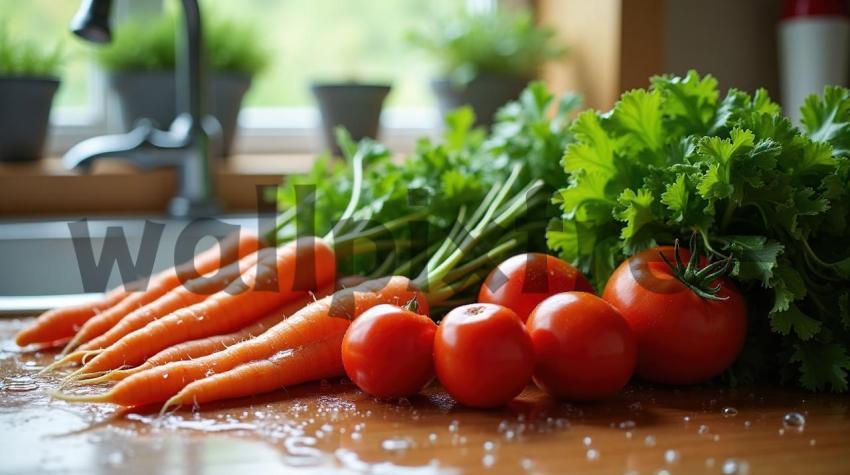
(308, 40)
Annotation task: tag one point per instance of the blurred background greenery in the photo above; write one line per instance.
(309, 40)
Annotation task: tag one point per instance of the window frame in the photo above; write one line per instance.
(261, 129)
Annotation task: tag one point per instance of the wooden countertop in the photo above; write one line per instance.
(46, 187)
(322, 427)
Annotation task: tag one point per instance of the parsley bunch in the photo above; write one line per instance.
(679, 159)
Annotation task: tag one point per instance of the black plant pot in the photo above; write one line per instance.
(485, 94)
(152, 95)
(357, 107)
(24, 116)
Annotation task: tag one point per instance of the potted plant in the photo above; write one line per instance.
(487, 59)
(141, 61)
(353, 105)
(28, 81)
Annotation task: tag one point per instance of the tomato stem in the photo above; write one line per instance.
(699, 280)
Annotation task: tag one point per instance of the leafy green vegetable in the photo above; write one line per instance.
(150, 46)
(27, 58)
(420, 201)
(677, 159)
(469, 45)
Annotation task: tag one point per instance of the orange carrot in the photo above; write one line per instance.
(304, 347)
(241, 303)
(193, 349)
(232, 248)
(191, 293)
(62, 323)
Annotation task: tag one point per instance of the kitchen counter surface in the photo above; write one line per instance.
(330, 425)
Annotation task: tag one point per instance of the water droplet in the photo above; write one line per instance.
(592, 455)
(164, 375)
(662, 472)
(730, 412)
(396, 445)
(716, 438)
(649, 441)
(627, 425)
(488, 460)
(635, 406)
(356, 436)
(813, 442)
(453, 426)
(748, 424)
(628, 434)
(489, 445)
(671, 456)
(587, 441)
(509, 434)
(687, 419)
(734, 466)
(432, 437)
(781, 432)
(703, 429)
(709, 462)
(794, 420)
(527, 464)
(20, 384)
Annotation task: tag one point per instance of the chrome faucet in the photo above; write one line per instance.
(186, 144)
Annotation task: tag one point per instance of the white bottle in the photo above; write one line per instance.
(814, 50)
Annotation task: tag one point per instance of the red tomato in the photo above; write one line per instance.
(387, 351)
(523, 281)
(584, 349)
(682, 338)
(483, 355)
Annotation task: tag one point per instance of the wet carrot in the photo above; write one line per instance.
(62, 323)
(232, 248)
(241, 303)
(191, 293)
(304, 347)
(193, 349)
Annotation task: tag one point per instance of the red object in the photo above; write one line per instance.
(583, 348)
(387, 351)
(809, 8)
(682, 338)
(525, 280)
(483, 355)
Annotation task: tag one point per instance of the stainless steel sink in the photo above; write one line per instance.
(40, 267)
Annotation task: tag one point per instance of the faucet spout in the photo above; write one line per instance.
(187, 143)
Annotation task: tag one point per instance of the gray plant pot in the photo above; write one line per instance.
(24, 116)
(153, 94)
(357, 107)
(485, 94)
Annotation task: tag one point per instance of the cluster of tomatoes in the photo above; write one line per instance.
(537, 318)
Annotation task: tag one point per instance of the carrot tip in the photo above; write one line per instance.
(102, 376)
(104, 397)
(170, 405)
(71, 346)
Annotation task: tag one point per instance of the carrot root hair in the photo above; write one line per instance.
(171, 405)
(85, 377)
(68, 360)
(107, 376)
(103, 397)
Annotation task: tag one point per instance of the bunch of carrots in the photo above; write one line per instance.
(256, 317)
(256, 314)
